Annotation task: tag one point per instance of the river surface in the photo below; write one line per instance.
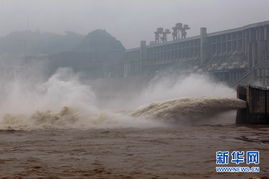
(160, 152)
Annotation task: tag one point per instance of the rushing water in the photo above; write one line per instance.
(189, 108)
(172, 129)
(56, 145)
(181, 111)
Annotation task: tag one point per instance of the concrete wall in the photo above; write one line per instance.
(228, 55)
(257, 100)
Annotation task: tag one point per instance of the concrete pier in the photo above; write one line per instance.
(257, 111)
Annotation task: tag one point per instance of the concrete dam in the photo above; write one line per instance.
(235, 56)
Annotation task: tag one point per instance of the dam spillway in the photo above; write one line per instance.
(189, 108)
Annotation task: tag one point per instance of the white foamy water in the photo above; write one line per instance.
(170, 87)
(64, 102)
(60, 102)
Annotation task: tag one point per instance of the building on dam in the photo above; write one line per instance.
(236, 56)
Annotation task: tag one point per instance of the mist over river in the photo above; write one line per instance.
(168, 127)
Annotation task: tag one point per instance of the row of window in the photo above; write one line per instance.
(229, 76)
(262, 72)
(234, 41)
(229, 47)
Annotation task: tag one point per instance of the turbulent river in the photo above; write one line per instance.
(60, 129)
(174, 143)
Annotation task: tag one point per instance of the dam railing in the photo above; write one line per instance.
(257, 111)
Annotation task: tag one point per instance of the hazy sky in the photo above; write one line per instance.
(128, 20)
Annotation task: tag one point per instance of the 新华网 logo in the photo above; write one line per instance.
(224, 158)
